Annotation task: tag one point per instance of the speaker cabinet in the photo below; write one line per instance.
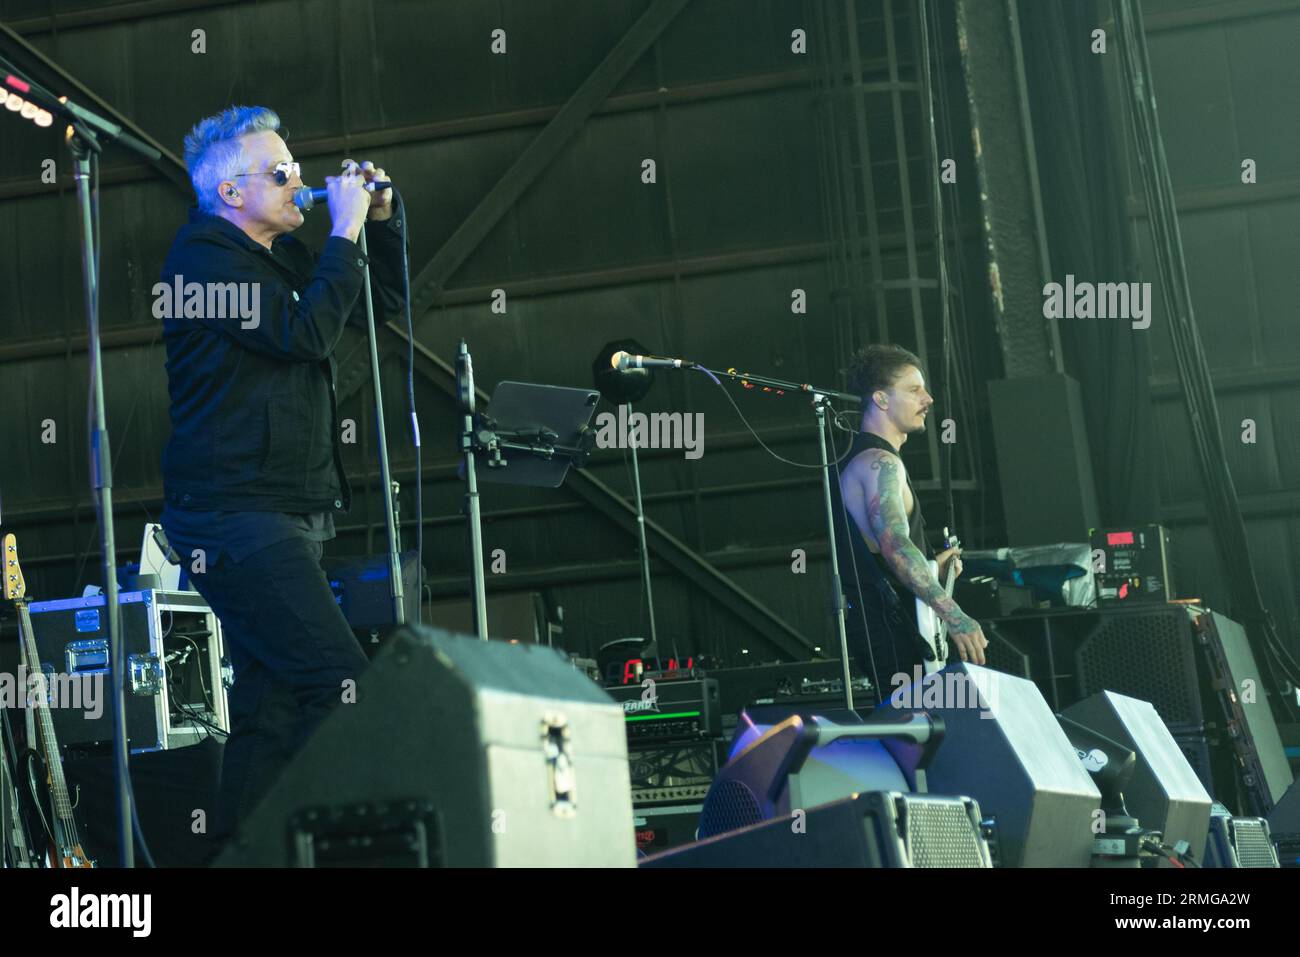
(873, 829)
(1149, 655)
(1003, 747)
(457, 752)
(1165, 793)
(1239, 842)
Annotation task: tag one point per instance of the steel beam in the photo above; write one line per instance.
(33, 513)
(541, 151)
(1257, 506)
(413, 134)
(560, 576)
(1255, 379)
(531, 163)
(605, 500)
(1224, 197)
(1232, 11)
(110, 14)
(49, 346)
(544, 285)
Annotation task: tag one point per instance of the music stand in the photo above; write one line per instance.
(530, 435)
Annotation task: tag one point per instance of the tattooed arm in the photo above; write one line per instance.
(887, 518)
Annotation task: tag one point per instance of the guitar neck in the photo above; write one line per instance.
(49, 745)
(65, 846)
(949, 582)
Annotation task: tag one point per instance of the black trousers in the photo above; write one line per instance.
(293, 654)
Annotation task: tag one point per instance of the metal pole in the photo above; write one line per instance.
(80, 143)
(465, 383)
(381, 439)
(640, 531)
(837, 589)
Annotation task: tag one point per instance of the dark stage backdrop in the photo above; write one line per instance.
(1091, 237)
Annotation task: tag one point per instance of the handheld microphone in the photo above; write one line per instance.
(305, 197)
(625, 360)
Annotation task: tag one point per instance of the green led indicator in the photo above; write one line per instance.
(661, 717)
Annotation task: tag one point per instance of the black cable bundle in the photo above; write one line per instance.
(1222, 505)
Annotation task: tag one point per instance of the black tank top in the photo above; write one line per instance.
(854, 553)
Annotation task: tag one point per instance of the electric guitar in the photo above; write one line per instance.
(933, 628)
(65, 845)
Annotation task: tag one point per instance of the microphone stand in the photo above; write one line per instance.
(398, 589)
(81, 142)
(468, 443)
(645, 552)
(83, 133)
(819, 398)
(483, 435)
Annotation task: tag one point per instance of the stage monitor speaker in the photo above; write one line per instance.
(460, 753)
(1284, 825)
(1198, 670)
(1165, 793)
(800, 764)
(872, 829)
(1003, 746)
(1238, 841)
(1284, 819)
(1244, 705)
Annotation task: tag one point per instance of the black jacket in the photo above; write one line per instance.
(253, 410)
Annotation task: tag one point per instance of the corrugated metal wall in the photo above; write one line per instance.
(1227, 80)
(701, 263)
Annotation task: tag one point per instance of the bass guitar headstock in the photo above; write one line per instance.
(15, 588)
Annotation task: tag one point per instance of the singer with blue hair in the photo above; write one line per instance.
(253, 469)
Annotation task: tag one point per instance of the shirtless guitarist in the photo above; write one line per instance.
(885, 532)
